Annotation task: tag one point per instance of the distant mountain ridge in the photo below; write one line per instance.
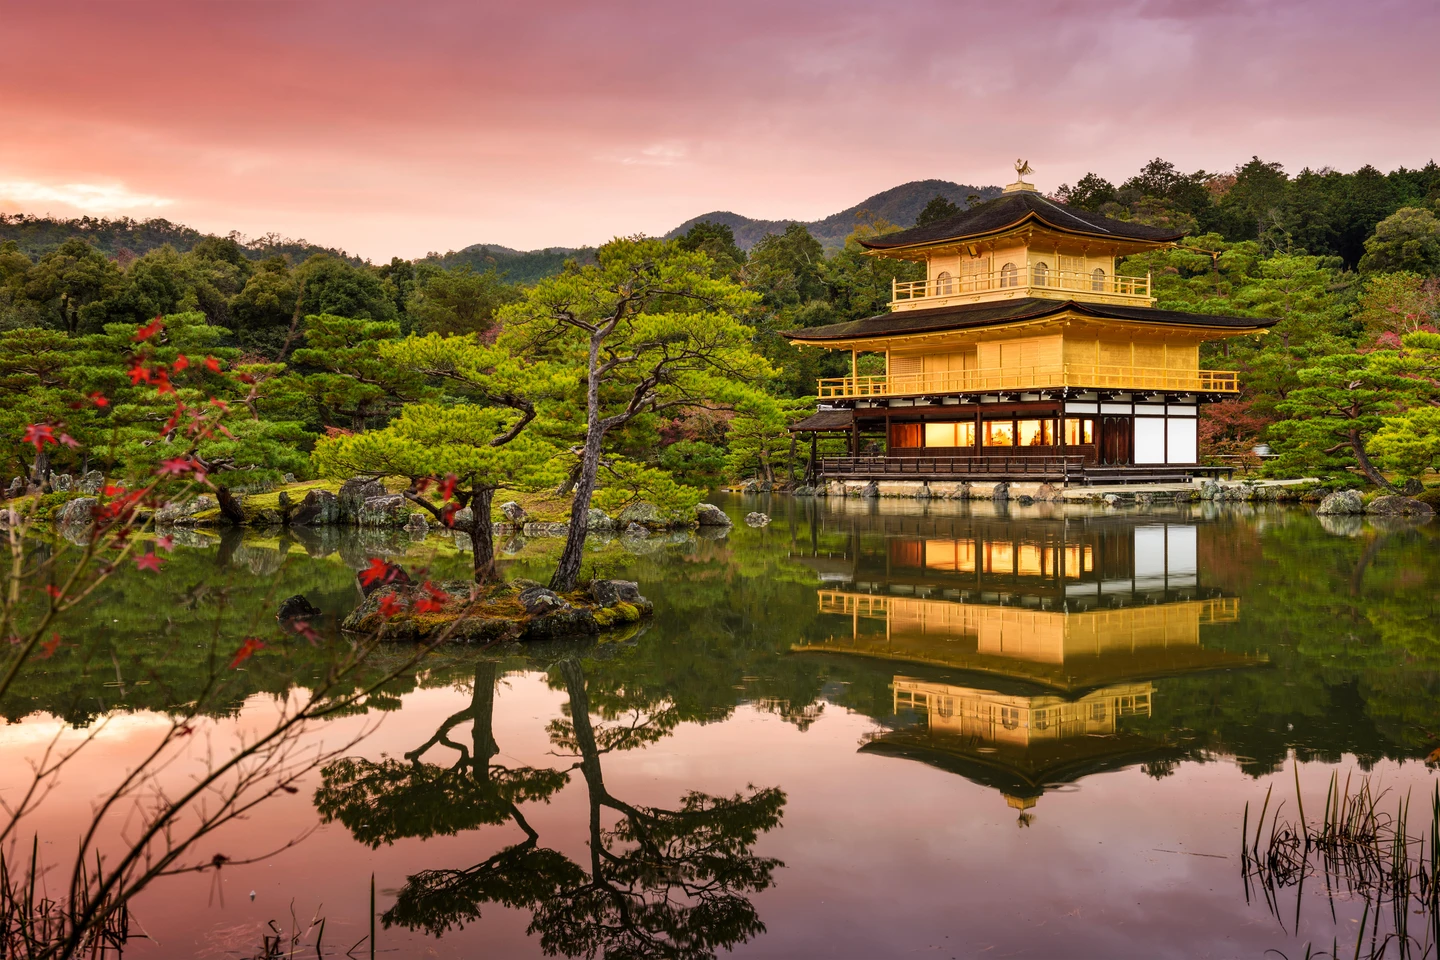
(899, 205)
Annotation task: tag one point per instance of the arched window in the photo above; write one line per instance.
(1010, 717)
(1097, 279)
(1042, 274)
(944, 286)
(1008, 276)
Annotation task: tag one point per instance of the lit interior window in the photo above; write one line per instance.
(1079, 431)
(950, 434)
(1036, 433)
(999, 433)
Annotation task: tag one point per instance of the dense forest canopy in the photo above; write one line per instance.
(1347, 263)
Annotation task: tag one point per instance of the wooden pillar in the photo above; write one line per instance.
(854, 438)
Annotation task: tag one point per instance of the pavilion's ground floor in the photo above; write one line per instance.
(1068, 438)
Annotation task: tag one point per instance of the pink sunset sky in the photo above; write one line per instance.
(393, 129)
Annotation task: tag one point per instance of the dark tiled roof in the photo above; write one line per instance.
(823, 421)
(972, 315)
(1011, 210)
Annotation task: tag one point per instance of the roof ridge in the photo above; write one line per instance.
(1073, 216)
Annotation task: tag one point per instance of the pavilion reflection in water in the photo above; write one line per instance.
(1026, 645)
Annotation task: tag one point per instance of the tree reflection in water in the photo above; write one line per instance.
(659, 882)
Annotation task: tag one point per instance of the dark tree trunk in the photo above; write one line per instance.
(40, 470)
(574, 677)
(1357, 446)
(230, 507)
(482, 708)
(482, 536)
(567, 571)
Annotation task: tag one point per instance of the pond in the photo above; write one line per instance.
(868, 729)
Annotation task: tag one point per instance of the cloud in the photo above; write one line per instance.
(655, 155)
(86, 197)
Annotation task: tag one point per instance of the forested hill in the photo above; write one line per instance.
(516, 266)
(124, 238)
(899, 205)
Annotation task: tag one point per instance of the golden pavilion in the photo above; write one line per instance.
(1026, 353)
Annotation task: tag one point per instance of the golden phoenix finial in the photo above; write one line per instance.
(1022, 168)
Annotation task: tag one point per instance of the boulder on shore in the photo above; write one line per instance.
(387, 510)
(183, 512)
(353, 494)
(1397, 506)
(757, 519)
(78, 511)
(296, 606)
(644, 513)
(1341, 503)
(607, 593)
(319, 508)
(598, 520)
(709, 515)
(514, 512)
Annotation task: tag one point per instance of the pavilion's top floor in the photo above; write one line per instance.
(1017, 246)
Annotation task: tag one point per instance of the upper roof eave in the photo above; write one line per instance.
(1010, 212)
(991, 314)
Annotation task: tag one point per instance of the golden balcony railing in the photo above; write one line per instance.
(1021, 282)
(1051, 376)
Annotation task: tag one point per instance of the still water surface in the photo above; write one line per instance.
(868, 730)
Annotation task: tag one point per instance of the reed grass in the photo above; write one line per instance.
(1362, 850)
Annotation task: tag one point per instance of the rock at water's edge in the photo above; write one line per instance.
(1340, 503)
(1396, 506)
(709, 515)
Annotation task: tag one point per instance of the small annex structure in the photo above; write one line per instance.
(1024, 354)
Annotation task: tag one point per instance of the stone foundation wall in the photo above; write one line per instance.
(1028, 491)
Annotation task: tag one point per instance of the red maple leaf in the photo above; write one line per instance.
(212, 364)
(433, 601)
(99, 399)
(114, 491)
(377, 572)
(149, 330)
(246, 651)
(166, 543)
(148, 561)
(447, 486)
(447, 516)
(303, 628)
(48, 648)
(181, 362)
(54, 591)
(39, 434)
(176, 467)
(139, 374)
(69, 441)
(390, 605)
(162, 383)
